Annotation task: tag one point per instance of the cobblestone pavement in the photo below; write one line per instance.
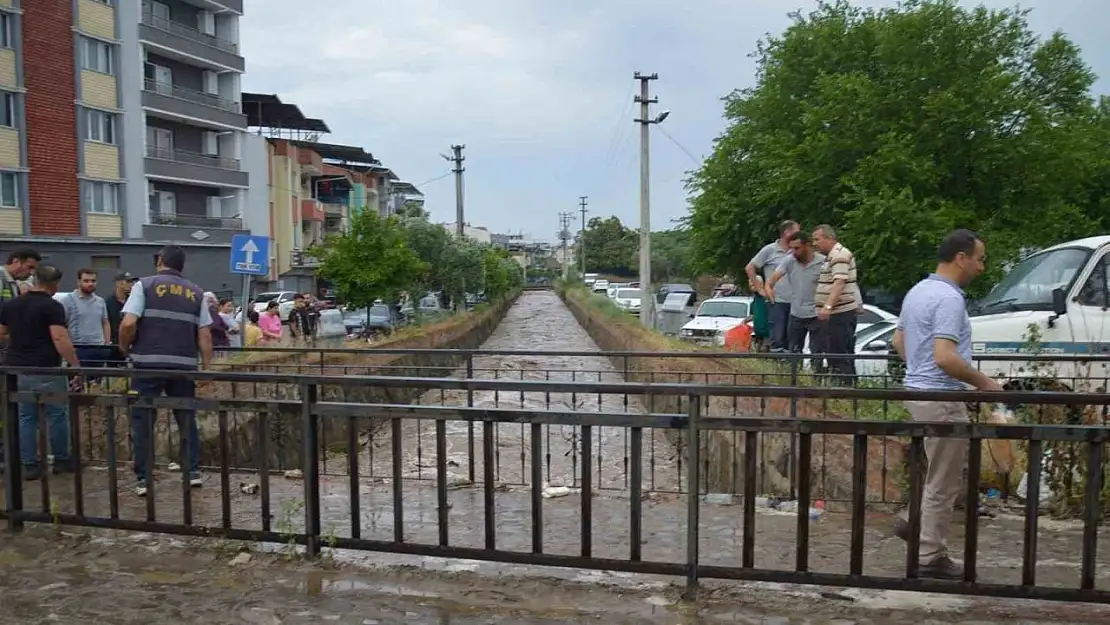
(73, 577)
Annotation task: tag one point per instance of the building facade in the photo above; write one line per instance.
(123, 131)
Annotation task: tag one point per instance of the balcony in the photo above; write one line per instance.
(179, 165)
(334, 208)
(196, 221)
(183, 227)
(190, 43)
(179, 101)
(299, 258)
(311, 210)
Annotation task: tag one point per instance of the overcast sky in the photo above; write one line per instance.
(540, 91)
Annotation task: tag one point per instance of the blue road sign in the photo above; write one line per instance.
(250, 254)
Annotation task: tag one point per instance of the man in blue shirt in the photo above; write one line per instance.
(934, 338)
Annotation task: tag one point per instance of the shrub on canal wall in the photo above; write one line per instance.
(284, 432)
(722, 452)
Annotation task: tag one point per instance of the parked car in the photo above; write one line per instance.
(284, 300)
(715, 317)
(429, 305)
(629, 300)
(614, 287)
(377, 319)
(667, 289)
(600, 286)
(872, 315)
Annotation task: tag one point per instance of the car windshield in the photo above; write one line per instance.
(876, 329)
(1029, 285)
(713, 308)
(629, 294)
(267, 297)
(379, 311)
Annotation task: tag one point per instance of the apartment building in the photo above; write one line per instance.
(122, 130)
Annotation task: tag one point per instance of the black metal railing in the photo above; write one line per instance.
(192, 158)
(691, 535)
(191, 95)
(188, 32)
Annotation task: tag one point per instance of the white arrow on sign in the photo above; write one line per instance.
(249, 249)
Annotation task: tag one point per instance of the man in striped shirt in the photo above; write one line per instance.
(838, 301)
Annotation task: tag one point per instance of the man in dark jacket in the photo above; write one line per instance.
(165, 325)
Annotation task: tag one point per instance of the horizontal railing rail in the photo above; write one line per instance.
(312, 510)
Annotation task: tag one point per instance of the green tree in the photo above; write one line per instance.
(670, 256)
(462, 269)
(370, 261)
(609, 246)
(429, 242)
(897, 125)
(502, 273)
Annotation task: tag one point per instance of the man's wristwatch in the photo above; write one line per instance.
(828, 307)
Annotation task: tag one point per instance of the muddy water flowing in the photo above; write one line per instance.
(538, 321)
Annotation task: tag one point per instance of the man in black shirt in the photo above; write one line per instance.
(300, 321)
(124, 282)
(35, 325)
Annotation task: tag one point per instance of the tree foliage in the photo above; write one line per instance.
(609, 246)
(897, 125)
(372, 260)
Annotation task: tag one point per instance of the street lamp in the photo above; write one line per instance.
(647, 307)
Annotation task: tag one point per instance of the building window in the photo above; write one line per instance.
(6, 30)
(7, 109)
(97, 56)
(101, 197)
(101, 126)
(9, 190)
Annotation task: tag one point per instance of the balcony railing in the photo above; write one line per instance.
(195, 221)
(300, 258)
(189, 95)
(181, 156)
(334, 207)
(183, 30)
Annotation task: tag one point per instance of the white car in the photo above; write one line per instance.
(878, 339)
(714, 317)
(600, 286)
(629, 299)
(283, 298)
(871, 315)
(611, 292)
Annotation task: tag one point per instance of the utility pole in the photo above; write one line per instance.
(460, 222)
(457, 158)
(564, 234)
(582, 235)
(647, 306)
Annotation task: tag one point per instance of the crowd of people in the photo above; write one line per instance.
(809, 288)
(162, 322)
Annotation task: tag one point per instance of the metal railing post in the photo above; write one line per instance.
(13, 469)
(470, 424)
(792, 467)
(693, 415)
(310, 466)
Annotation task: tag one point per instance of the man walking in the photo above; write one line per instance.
(802, 269)
(20, 266)
(838, 302)
(35, 326)
(87, 320)
(165, 325)
(300, 321)
(934, 338)
(760, 270)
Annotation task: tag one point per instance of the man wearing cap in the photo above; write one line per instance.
(124, 281)
(165, 325)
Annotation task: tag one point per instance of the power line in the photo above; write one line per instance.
(680, 146)
(436, 179)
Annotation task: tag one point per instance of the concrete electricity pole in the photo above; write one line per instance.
(564, 234)
(647, 307)
(582, 235)
(457, 158)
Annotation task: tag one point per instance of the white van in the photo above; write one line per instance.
(1062, 292)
